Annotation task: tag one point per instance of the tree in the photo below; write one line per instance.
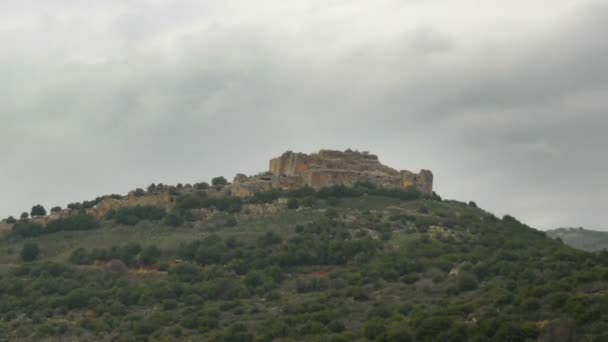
(30, 252)
(38, 210)
(24, 215)
(56, 209)
(219, 181)
(201, 186)
(75, 206)
(11, 220)
(150, 255)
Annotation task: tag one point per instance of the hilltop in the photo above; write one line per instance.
(334, 247)
(585, 239)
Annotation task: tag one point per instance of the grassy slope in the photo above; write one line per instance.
(468, 241)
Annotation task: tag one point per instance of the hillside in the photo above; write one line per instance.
(585, 239)
(337, 263)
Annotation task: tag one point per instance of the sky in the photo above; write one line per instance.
(505, 101)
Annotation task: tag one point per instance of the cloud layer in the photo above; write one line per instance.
(506, 103)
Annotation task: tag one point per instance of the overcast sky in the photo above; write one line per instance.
(505, 101)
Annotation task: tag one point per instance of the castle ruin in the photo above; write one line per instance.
(327, 168)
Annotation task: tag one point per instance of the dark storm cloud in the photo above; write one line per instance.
(515, 124)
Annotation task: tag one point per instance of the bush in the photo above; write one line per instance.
(71, 223)
(466, 282)
(131, 216)
(218, 181)
(293, 203)
(331, 213)
(174, 220)
(269, 239)
(38, 210)
(80, 257)
(200, 199)
(26, 228)
(30, 252)
(75, 206)
(374, 329)
(149, 255)
(56, 209)
(201, 186)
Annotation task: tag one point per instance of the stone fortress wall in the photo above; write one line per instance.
(327, 168)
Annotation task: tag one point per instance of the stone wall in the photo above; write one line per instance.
(328, 168)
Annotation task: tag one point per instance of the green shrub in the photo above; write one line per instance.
(293, 203)
(269, 239)
(26, 228)
(30, 252)
(132, 215)
(218, 181)
(71, 223)
(38, 210)
(174, 220)
(150, 255)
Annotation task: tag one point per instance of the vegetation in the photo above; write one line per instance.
(219, 181)
(30, 252)
(38, 210)
(350, 264)
(27, 228)
(132, 215)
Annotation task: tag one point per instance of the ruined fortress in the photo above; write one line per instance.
(289, 171)
(326, 168)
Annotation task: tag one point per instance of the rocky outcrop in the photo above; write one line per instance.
(162, 200)
(327, 168)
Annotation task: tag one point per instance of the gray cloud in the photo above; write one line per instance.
(106, 99)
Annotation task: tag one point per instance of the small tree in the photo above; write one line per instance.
(24, 215)
(219, 181)
(11, 220)
(38, 210)
(150, 255)
(30, 252)
(56, 209)
(201, 186)
(75, 206)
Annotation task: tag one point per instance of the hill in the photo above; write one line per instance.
(342, 262)
(585, 239)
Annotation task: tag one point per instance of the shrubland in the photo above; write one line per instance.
(339, 264)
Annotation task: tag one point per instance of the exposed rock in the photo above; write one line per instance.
(162, 200)
(328, 168)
